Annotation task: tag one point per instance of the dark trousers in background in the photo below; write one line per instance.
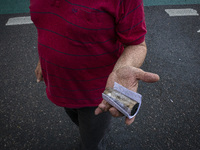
(92, 128)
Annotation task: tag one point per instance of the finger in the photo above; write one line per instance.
(103, 106)
(129, 121)
(115, 113)
(39, 76)
(38, 80)
(42, 79)
(98, 110)
(38, 73)
(147, 76)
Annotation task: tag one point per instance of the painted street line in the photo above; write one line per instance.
(19, 21)
(182, 12)
(169, 2)
(198, 31)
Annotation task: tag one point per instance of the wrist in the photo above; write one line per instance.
(132, 56)
(124, 67)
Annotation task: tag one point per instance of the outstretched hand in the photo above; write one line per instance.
(128, 77)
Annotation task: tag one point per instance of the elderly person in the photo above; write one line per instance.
(85, 46)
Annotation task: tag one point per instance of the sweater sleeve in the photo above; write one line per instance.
(130, 22)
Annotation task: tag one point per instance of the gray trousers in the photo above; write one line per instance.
(92, 128)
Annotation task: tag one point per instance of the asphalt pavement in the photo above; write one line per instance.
(169, 118)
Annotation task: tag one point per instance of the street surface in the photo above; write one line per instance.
(169, 118)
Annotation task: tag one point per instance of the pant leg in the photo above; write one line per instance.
(73, 114)
(93, 128)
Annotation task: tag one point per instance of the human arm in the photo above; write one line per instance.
(127, 72)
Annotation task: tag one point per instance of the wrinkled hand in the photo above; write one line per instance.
(128, 77)
(38, 72)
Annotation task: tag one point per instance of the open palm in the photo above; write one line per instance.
(128, 77)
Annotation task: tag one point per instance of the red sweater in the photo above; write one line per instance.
(79, 42)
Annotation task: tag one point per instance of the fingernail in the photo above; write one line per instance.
(38, 80)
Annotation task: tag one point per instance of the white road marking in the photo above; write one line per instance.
(198, 31)
(182, 12)
(19, 21)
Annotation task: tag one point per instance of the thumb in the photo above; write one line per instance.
(147, 76)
